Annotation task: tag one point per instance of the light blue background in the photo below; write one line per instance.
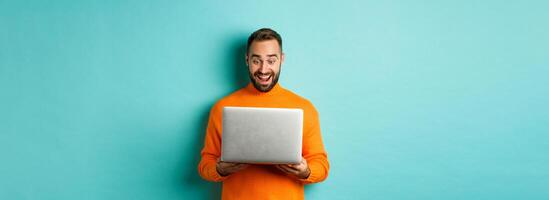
(417, 100)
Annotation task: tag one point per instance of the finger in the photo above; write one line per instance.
(281, 168)
(288, 169)
(290, 166)
(295, 166)
(303, 164)
(233, 164)
(241, 166)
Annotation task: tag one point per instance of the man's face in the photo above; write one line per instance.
(264, 60)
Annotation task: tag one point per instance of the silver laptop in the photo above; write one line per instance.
(262, 135)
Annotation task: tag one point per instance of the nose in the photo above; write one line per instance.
(263, 68)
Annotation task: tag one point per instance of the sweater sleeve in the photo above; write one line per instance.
(212, 150)
(314, 152)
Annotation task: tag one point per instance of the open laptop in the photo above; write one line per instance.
(262, 135)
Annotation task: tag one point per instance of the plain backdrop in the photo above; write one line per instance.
(417, 99)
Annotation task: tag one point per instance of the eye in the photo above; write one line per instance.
(255, 61)
(271, 62)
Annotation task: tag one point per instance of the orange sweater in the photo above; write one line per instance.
(264, 181)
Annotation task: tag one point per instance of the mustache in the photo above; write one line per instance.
(258, 73)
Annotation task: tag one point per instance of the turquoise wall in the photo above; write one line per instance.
(418, 100)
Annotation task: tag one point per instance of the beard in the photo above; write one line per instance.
(264, 88)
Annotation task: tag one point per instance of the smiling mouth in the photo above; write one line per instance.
(264, 78)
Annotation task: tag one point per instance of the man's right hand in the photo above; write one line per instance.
(227, 168)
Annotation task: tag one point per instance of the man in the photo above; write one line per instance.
(264, 58)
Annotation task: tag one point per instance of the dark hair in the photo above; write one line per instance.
(262, 35)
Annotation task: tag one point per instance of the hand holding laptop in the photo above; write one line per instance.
(227, 168)
(300, 170)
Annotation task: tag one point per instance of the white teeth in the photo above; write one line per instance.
(264, 77)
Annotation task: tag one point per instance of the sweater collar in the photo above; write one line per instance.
(275, 90)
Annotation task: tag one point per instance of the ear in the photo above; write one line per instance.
(282, 58)
(246, 58)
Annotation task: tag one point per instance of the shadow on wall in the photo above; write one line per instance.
(235, 52)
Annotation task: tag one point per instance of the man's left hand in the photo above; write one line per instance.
(300, 170)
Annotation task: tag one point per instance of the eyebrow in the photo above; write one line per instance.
(270, 55)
